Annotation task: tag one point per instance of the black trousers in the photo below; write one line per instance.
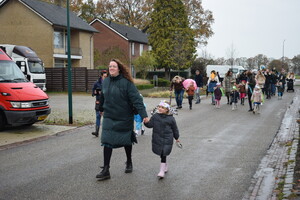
(190, 98)
(249, 100)
(107, 152)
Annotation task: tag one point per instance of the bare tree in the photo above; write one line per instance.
(242, 61)
(231, 54)
(251, 63)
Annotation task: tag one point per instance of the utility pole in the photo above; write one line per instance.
(69, 66)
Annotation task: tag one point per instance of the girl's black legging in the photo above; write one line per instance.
(163, 159)
(190, 98)
(108, 151)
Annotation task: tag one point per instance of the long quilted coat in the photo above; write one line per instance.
(117, 100)
(164, 130)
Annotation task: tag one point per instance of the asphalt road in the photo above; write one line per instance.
(221, 152)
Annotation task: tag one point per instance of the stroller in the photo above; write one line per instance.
(290, 85)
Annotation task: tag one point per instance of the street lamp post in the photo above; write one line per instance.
(283, 54)
(69, 65)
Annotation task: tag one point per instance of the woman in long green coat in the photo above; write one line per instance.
(119, 101)
(229, 82)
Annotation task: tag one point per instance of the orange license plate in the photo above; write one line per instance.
(41, 118)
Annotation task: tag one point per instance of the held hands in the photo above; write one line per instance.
(146, 120)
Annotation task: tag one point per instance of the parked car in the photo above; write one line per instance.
(21, 101)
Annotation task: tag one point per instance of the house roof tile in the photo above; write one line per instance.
(131, 33)
(56, 15)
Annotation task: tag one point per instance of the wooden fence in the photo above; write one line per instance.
(83, 79)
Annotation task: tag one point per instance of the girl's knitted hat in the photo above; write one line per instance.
(164, 104)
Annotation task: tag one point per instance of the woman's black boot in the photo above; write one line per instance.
(128, 168)
(104, 174)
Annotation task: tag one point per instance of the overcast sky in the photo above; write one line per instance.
(254, 27)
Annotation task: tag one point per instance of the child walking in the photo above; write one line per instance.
(257, 99)
(218, 95)
(164, 130)
(191, 91)
(139, 129)
(242, 90)
(280, 90)
(234, 97)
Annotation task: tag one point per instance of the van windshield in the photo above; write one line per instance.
(36, 67)
(10, 72)
(235, 70)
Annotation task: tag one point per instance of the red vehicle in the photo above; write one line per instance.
(21, 101)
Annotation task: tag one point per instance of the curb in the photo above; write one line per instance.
(39, 138)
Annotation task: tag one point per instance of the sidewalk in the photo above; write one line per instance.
(274, 176)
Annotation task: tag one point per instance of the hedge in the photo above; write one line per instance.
(162, 82)
(144, 86)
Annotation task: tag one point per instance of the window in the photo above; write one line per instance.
(59, 39)
(132, 49)
(59, 63)
(141, 49)
(149, 48)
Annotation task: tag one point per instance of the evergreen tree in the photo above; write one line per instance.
(170, 36)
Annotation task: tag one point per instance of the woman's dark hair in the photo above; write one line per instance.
(124, 70)
(227, 74)
(249, 73)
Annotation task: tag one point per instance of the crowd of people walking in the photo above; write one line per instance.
(120, 104)
(256, 86)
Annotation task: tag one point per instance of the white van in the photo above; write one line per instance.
(29, 63)
(223, 69)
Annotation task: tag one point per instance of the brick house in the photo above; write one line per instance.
(129, 40)
(43, 27)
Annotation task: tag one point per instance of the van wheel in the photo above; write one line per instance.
(2, 121)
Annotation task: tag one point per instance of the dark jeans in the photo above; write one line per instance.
(179, 97)
(273, 89)
(98, 118)
(268, 91)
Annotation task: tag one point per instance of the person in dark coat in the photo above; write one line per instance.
(281, 78)
(119, 101)
(218, 95)
(235, 96)
(96, 91)
(199, 82)
(177, 85)
(164, 130)
(250, 88)
(268, 82)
